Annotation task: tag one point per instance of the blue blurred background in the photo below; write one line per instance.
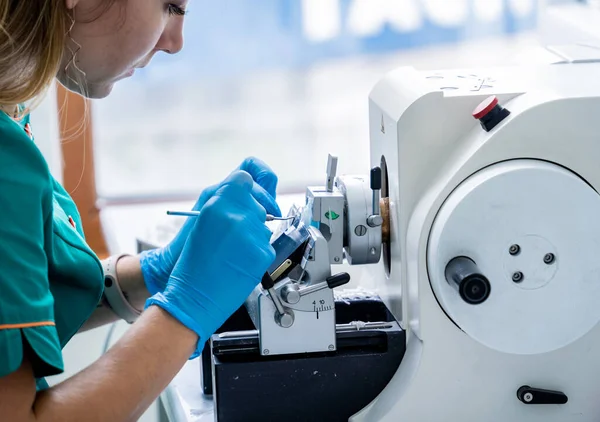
(284, 80)
(238, 36)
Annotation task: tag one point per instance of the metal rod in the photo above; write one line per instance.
(360, 325)
(355, 326)
(376, 207)
(268, 284)
(314, 288)
(184, 213)
(197, 213)
(234, 334)
(276, 301)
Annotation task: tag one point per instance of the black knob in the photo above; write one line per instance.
(338, 280)
(473, 287)
(529, 395)
(376, 178)
(490, 113)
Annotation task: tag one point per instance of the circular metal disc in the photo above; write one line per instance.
(362, 243)
(544, 209)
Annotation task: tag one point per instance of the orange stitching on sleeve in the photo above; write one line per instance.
(26, 325)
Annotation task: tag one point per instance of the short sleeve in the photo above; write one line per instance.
(26, 304)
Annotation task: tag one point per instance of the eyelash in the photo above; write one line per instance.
(175, 10)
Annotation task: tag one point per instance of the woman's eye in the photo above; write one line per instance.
(175, 10)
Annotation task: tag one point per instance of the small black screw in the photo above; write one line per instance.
(517, 277)
(549, 258)
(514, 249)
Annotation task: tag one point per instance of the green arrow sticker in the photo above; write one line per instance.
(331, 215)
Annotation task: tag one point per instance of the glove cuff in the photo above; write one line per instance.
(151, 265)
(161, 301)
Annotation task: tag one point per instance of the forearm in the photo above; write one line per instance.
(132, 283)
(127, 379)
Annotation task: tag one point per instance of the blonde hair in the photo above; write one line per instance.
(32, 42)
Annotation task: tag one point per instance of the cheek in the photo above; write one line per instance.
(116, 53)
(115, 58)
(142, 32)
(133, 45)
(134, 49)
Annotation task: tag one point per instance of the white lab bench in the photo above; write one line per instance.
(183, 400)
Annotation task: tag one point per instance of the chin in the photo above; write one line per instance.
(92, 91)
(98, 92)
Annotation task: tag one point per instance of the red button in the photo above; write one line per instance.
(485, 107)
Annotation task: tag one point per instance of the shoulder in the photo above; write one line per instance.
(21, 162)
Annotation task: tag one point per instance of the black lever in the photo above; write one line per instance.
(338, 280)
(375, 219)
(376, 178)
(530, 395)
(376, 187)
(267, 282)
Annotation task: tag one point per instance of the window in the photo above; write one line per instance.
(45, 128)
(287, 81)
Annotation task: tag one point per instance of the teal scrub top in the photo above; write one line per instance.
(50, 279)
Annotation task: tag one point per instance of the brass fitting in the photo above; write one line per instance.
(384, 204)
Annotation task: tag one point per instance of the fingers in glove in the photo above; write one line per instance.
(261, 173)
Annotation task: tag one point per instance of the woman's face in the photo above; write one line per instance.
(112, 42)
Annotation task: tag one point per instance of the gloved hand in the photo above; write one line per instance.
(157, 264)
(226, 254)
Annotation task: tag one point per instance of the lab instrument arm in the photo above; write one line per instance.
(118, 387)
(132, 283)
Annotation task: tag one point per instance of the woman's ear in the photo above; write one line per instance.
(71, 4)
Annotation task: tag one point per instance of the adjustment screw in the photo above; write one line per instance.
(360, 230)
(549, 258)
(517, 277)
(514, 249)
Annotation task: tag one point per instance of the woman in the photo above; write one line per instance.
(51, 283)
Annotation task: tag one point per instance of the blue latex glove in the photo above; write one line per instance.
(157, 264)
(226, 254)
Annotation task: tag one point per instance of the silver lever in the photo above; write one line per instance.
(282, 317)
(291, 294)
(375, 219)
(331, 170)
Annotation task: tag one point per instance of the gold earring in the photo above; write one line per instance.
(73, 60)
